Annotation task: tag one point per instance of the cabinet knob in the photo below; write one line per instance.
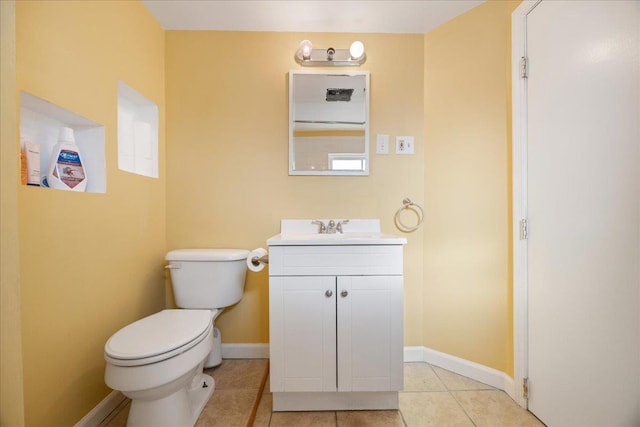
(344, 293)
(328, 294)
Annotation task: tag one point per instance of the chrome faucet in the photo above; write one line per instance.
(340, 224)
(322, 229)
(331, 228)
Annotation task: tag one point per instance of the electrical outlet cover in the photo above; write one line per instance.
(404, 144)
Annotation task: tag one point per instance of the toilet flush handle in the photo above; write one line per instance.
(173, 266)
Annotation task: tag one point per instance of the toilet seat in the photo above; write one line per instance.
(158, 337)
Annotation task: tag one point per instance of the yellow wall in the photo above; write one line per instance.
(227, 133)
(89, 263)
(467, 162)
(228, 185)
(11, 389)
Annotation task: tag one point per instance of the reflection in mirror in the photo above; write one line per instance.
(328, 123)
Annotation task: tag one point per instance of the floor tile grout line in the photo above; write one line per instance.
(462, 407)
(453, 396)
(404, 421)
(438, 376)
(462, 389)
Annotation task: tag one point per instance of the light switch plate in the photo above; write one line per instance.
(404, 144)
(382, 144)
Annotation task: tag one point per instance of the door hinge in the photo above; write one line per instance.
(525, 388)
(524, 71)
(524, 229)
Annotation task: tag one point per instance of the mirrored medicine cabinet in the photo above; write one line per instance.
(328, 123)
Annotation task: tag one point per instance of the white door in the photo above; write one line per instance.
(583, 193)
(302, 328)
(370, 333)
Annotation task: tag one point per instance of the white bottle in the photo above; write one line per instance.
(66, 171)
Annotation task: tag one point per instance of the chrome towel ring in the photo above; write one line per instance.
(408, 204)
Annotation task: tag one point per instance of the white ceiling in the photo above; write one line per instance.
(342, 16)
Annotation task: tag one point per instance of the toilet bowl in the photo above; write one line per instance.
(157, 362)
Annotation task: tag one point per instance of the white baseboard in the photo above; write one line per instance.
(510, 389)
(102, 410)
(245, 351)
(469, 369)
(414, 354)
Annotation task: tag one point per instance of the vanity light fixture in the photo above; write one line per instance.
(356, 50)
(307, 56)
(305, 50)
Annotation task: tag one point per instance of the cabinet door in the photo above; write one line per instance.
(302, 328)
(370, 333)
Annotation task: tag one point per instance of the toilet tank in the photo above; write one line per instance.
(207, 278)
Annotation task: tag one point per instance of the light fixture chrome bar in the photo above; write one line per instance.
(328, 122)
(330, 57)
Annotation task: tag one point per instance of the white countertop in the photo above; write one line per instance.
(301, 232)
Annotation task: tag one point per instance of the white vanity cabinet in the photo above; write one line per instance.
(336, 321)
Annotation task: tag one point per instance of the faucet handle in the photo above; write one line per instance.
(322, 229)
(340, 224)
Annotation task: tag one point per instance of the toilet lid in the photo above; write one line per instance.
(158, 334)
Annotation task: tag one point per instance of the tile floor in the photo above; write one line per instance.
(432, 396)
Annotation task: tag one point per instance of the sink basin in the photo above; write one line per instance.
(361, 232)
(335, 236)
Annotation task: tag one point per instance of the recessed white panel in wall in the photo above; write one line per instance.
(40, 123)
(137, 132)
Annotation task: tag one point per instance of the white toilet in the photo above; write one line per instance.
(157, 361)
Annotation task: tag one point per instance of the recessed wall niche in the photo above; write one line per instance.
(137, 132)
(40, 123)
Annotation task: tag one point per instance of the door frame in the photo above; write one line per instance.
(520, 209)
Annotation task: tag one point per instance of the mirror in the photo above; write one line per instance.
(328, 123)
